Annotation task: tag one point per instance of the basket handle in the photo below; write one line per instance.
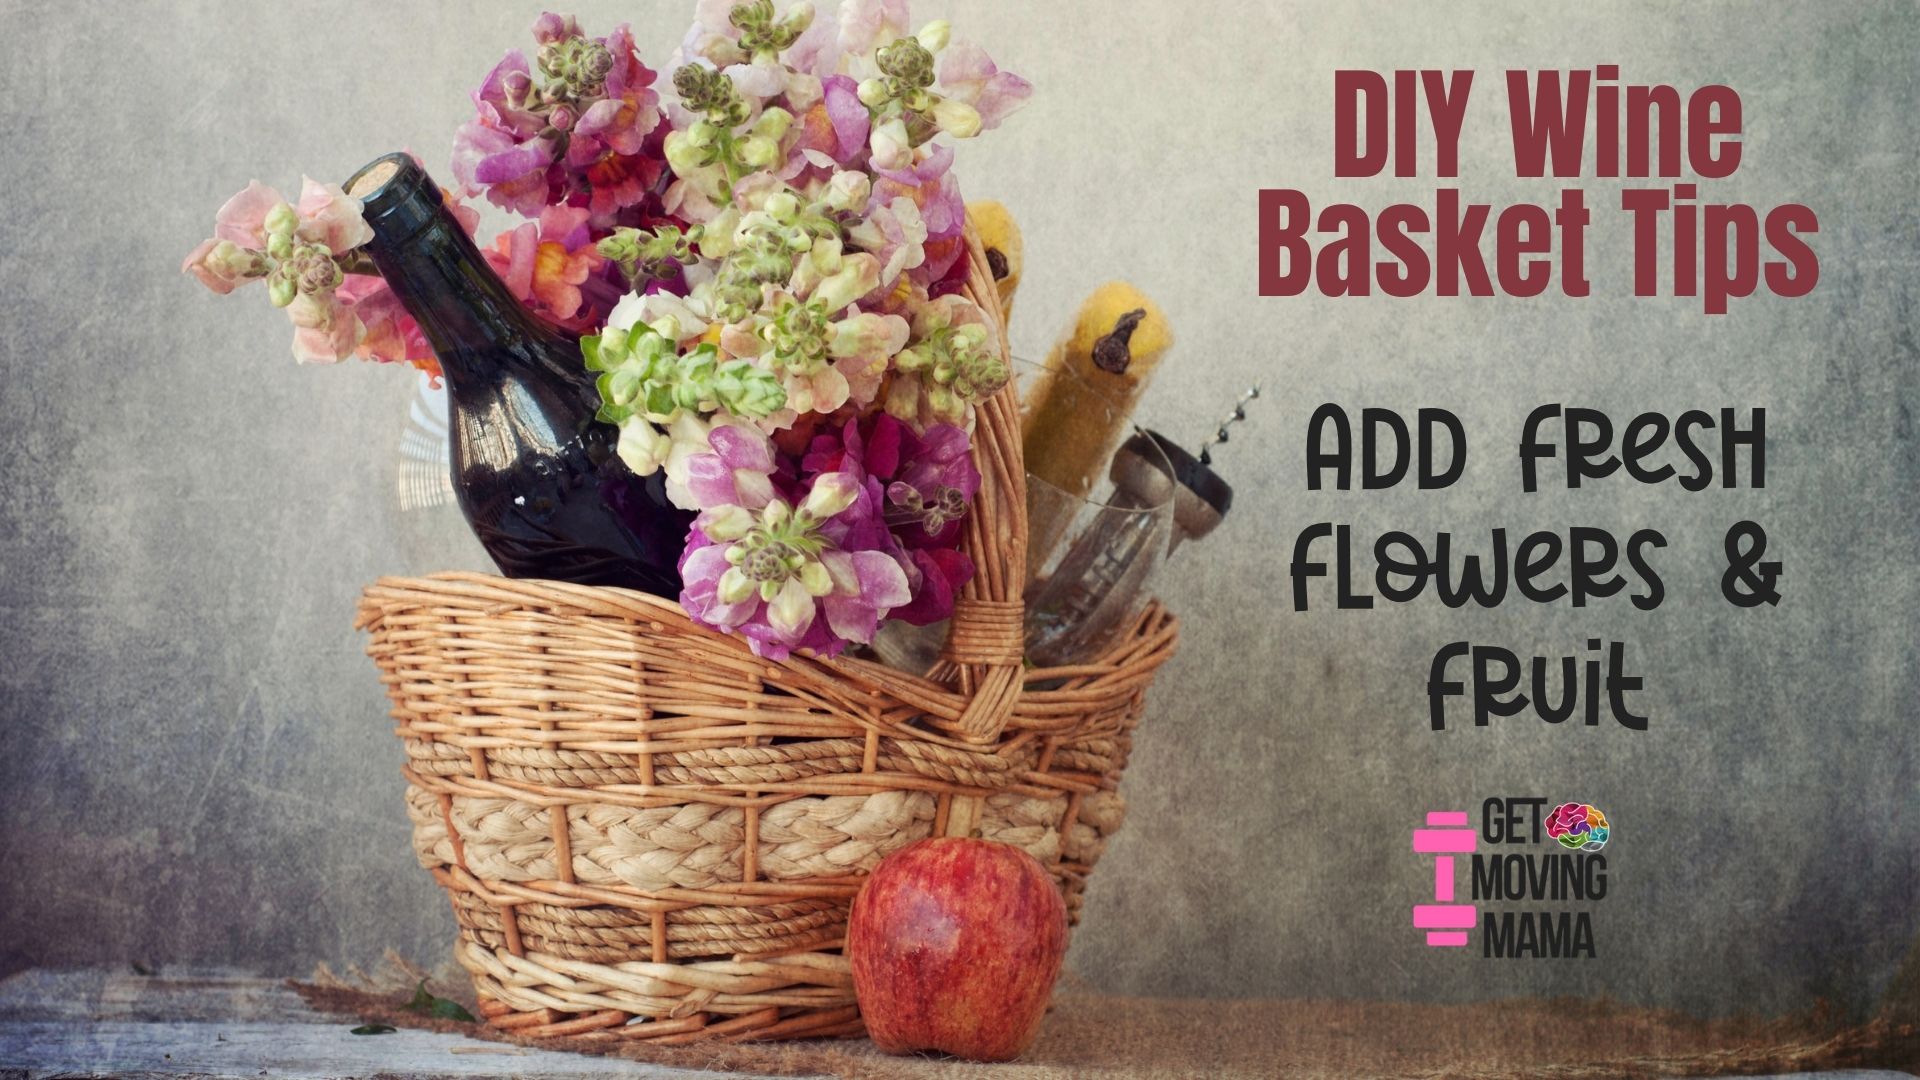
(986, 641)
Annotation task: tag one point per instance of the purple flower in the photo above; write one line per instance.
(938, 471)
(816, 575)
(630, 111)
(584, 128)
(936, 485)
(851, 121)
(780, 578)
(497, 153)
(550, 28)
(937, 577)
(737, 472)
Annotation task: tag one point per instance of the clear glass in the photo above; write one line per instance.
(1100, 521)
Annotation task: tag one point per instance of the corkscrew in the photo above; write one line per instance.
(1202, 498)
(1224, 434)
(1102, 574)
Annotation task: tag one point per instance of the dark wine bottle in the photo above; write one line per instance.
(536, 474)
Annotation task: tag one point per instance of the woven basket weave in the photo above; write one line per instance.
(647, 832)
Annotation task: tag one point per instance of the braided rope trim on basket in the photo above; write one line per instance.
(615, 995)
(615, 936)
(698, 846)
(733, 765)
(584, 934)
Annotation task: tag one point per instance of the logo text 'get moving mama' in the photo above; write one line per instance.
(1577, 872)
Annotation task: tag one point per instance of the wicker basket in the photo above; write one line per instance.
(647, 832)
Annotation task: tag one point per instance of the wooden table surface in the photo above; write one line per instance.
(225, 1024)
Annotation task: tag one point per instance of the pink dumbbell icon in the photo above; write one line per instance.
(1447, 834)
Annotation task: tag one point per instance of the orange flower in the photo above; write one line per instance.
(538, 266)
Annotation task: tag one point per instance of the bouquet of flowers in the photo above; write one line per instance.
(764, 264)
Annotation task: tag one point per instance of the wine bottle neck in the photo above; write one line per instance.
(438, 274)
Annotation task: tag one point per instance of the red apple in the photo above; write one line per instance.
(955, 946)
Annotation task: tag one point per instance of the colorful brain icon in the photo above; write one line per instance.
(1578, 826)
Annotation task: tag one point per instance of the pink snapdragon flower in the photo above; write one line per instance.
(392, 337)
(503, 151)
(331, 218)
(895, 234)
(929, 185)
(308, 254)
(865, 25)
(784, 575)
(243, 218)
(968, 74)
(300, 251)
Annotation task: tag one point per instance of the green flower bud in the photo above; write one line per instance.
(705, 90)
(759, 152)
(799, 334)
(934, 36)
(735, 586)
(763, 38)
(908, 62)
(979, 375)
(595, 64)
(774, 123)
(621, 247)
(777, 514)
(748, 391)
(647, 256)
(312, 270)
(728, 523)
(957, 118)
(282, 290)
(752, 15)
(874, 93)
(282, 220)
(685, 154)
(944, 404)
(280, 245)
(643, 447)
(232, 261)
(815, 578)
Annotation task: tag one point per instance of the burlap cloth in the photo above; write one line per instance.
(1088, 1034)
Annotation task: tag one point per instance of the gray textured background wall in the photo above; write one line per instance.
(194, 761)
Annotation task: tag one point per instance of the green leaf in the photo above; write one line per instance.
(440, 1007)
(374, 1029)
(451, 1010)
